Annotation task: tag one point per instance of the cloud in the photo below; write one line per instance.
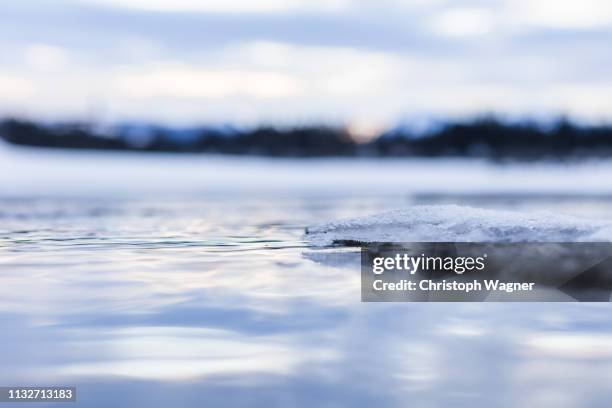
(326, 70)
(562, 14)
(293, 60)
(45, 57)
(183, 81)
(15, 87)
(224, 6)
(463, 22)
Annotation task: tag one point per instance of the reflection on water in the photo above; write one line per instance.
(218, 301)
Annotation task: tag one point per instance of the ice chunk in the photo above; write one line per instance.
(452, 223)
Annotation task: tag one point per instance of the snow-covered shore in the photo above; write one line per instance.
(47, 171)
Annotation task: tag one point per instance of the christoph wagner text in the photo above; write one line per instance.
(444, 285)
(412, 264)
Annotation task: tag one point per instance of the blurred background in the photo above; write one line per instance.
(361, 64)
(160, 160)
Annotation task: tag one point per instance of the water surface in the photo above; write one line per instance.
(185, 281)
(207, 300)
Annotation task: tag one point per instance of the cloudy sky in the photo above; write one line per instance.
(367, 63)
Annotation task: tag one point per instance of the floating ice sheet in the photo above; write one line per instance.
(452, 223)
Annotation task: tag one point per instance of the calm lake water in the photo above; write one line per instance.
(214, 298)
(219, 301)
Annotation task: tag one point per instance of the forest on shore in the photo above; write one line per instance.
(485, 137)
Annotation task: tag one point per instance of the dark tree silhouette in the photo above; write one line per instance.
(484, 137)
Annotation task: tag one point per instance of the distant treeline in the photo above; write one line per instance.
(483, 137)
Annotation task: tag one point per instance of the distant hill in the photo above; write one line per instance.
(484, 137)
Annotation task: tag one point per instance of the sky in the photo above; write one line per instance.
(363, 63)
